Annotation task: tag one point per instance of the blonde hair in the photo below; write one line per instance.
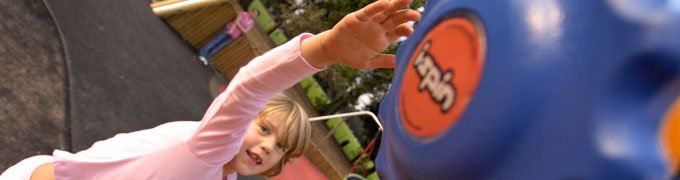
(296, 131)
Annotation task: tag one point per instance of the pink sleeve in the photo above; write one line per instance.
(223, 126)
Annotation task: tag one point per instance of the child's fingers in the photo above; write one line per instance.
(400, 17)
(383, 61)
(391, 36)
(404, 30)
(394, 6)
(372, 9)
(401, 30)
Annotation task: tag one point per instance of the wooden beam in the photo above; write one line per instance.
(178, 6)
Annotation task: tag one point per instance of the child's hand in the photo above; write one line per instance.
(359, 39)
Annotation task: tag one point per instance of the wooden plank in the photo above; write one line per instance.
(163, 3)
(176, 7)
(198, 26)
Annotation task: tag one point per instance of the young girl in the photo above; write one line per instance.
(243, 23)
(237, 135)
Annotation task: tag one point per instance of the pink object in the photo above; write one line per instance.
(222, 88)
(300, 169)
(186, 150)
(245, 23)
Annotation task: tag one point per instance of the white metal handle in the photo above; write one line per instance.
(375, 118)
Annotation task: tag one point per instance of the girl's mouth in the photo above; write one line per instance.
(254, 157)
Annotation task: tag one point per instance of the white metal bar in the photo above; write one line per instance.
(375, 118)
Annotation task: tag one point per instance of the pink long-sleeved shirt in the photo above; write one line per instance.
(189, 150)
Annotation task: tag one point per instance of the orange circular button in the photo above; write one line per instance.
(441, 77)
(671, 135)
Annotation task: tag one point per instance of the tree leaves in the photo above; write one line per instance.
(343, 85)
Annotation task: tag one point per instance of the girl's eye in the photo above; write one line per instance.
(264, 129)
(280, 146)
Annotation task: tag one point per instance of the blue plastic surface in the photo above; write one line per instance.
(569, 90)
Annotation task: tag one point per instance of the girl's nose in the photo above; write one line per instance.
(268, 145)
(265, 148)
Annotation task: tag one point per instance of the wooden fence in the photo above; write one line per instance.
(199, 26)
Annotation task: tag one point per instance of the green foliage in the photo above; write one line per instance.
(264, 19)
(315, 16)
(353, 146)
(278, 37)
(314, 92)
(352, 149)
(373, 176)
(417, 3)
(342, 85)
(364, 165)
(343, 135)
(331, 123)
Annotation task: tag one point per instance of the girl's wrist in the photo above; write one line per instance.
(315, 50)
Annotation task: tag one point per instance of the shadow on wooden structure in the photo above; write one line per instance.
(198, 23)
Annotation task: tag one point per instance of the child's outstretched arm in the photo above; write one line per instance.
(359, 39)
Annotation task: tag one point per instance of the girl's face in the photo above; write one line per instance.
(261, 149)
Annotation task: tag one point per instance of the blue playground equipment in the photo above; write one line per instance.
(534, 89)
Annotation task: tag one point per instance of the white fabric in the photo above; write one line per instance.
(24, 169)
